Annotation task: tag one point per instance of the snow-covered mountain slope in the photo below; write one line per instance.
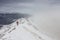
(25, 30)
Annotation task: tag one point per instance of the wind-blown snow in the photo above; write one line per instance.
(24, 31)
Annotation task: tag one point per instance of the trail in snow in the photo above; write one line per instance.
(24, 31)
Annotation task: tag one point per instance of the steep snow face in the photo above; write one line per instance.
(25, 30)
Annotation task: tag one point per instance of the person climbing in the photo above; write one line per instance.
(17, 23)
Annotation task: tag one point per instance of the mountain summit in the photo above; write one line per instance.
(22, 29)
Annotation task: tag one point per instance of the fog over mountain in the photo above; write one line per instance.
(45, 13)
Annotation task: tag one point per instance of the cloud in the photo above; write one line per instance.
(27, 6)
(12, 1)
(3, 2)
(54, 2)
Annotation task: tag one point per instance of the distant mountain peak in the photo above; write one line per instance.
(8, 18)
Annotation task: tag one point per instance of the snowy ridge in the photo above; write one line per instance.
(25, 30)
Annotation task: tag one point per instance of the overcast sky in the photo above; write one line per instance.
(29, 6)
(46, 12)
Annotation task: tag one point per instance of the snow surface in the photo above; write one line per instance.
(25, 30)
